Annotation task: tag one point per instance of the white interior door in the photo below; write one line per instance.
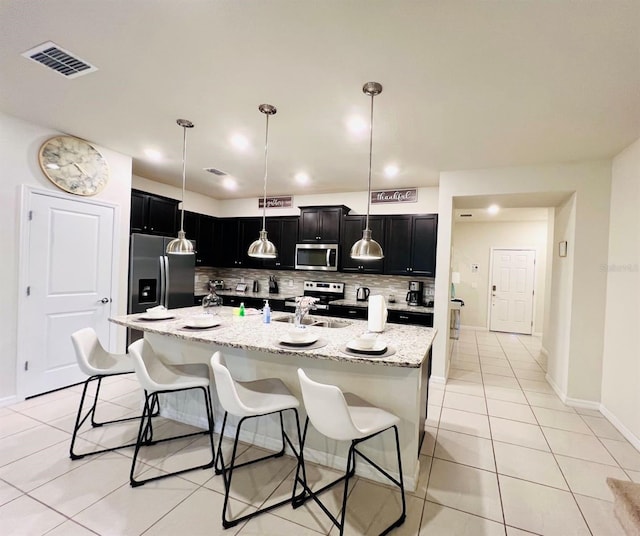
(69, 258)
(511, 286)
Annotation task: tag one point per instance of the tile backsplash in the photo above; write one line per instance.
(291, 282)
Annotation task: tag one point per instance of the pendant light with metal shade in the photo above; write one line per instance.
(367, 249)
(180, 245)
(263, 248)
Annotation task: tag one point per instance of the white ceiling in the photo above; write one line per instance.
(467, 84)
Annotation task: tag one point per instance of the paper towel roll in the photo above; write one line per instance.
(377, 314)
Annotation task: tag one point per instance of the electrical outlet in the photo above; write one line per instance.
(474, 268)
(242, 280)
(290, 282)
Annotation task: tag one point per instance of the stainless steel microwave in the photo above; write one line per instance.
(317, 257)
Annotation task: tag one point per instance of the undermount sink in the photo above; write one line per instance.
(320, 322)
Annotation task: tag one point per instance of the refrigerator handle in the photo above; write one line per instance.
(163, 281)
(167, 283)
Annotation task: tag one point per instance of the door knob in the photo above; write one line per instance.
(105, 300)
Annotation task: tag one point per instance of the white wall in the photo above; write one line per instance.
(621, 362)
(591, 182)
(427, 202)
(19, 145)
(557, 339)
(193, 201)
(548, 281)
(472, 243)
(357, 201)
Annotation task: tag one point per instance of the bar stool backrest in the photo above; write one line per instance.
(151, 372)
(92, 358)
(227, 388)
(327, 409)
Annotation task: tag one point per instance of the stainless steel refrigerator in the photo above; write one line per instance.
(156, 278)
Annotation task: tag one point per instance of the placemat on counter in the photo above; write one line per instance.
(189, 329)
(318, 344)
(390, 351)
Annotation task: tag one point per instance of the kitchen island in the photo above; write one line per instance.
(397, 382)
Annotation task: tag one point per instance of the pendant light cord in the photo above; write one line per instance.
(184, 173)
(266, 153)
(370, 160)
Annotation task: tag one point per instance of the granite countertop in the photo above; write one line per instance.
(411, 343)
(396, 306)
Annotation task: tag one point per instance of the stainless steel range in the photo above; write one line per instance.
(323, 290)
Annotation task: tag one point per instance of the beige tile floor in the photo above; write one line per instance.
(502, 456)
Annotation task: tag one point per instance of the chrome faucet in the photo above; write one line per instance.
(212, 299)
(303, 305)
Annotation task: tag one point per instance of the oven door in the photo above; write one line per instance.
(317, 257)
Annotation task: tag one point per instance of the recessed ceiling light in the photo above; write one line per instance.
(302, 177)
(229, 183)
(493, 209)
(153, 154)
(356, 124)
(391, 171)
(240, 142)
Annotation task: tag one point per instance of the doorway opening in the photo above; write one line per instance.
(509, 250)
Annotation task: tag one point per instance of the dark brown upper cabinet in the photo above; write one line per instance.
(410, 245)
(153, 214)
(352, 227)
(321, 224)
(283, 232)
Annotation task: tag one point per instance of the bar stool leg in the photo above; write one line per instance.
(227, 471)
(95, 424)
(297, 498)
(145, 436)
(350, 471)
(301, 499)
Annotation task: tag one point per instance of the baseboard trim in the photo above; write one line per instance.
(474, 328)
(573, 402)
(628, 434)
(437, 379)
(8, 401)
(582, 403)
(561, 395)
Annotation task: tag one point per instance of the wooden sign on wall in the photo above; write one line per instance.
(405, 195)
(283, 201)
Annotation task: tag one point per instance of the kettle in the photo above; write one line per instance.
(362, 294)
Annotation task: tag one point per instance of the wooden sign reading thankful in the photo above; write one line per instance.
(406, 195)
(283, 201)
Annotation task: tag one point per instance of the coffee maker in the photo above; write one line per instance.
(414, 296)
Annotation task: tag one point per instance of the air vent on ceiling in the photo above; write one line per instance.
(466, 215)
(60, 60)
(216, 171)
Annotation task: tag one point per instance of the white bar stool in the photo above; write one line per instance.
(156, 378)
(97, 363)
(248, 400)
(344, 417)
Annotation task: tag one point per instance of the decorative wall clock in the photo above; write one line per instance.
(74, 165)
